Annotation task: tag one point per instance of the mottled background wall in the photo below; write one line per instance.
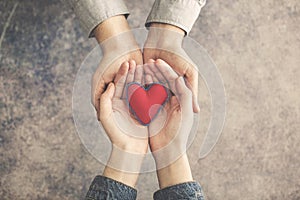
(256, 45)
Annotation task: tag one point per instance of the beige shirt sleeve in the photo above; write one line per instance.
(92, 12)
(180, 13)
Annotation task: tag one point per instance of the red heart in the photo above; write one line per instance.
(145, 103)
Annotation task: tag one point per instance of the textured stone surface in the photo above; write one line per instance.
(256, 46)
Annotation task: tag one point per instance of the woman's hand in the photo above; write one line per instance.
(129, 139)
(123, 131)
(168, 146)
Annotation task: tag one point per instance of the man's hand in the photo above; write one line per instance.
(164, 41)
(118, 46)
(101, 79)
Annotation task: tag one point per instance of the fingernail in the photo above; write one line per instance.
(110, 85)
(181, 79)
(132, 62)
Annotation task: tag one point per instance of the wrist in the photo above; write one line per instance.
(123, 166)
(140, 148)
(167, 154)
(177, 172)
(111, 27)
(120, 44)
(164, 36)
(125, 160)
(168, 27)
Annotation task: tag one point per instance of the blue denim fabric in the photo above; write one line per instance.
(187, 191)
(103, 188)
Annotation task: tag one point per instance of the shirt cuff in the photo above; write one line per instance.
(180, 13)
(93, 12)
(106, 188)
(188, 190)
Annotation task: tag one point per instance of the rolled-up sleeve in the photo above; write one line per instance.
(188, 190)
(180, 13)
(93, 12)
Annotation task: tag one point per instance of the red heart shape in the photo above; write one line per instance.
(146, 102)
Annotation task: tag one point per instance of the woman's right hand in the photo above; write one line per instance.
(129, 139)
(118, 45)
(123, 131)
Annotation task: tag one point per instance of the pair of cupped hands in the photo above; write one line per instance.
(163, 61)
(168, 131)
(166, 135)
(121, 64)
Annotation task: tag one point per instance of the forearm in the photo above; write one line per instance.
(126, 178)
(115, 36)
(180, 13)
(124, 166)
(176, 182)
(175, 173)
(93, 12)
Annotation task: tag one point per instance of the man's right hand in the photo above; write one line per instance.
(118, 46)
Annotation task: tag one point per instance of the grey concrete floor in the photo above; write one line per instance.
(256, 45)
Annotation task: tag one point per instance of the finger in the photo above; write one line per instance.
(149, 72)
(192, 84)
(106, 102)
(151, 60)
(157, 74)
(183, 66)
(166, 69)
(174, 102)
(120, 79)
(122, 70)
(130, 75)
(148, 79)
(138, 75)
(169, 74)
(184, 95)
(97, 94)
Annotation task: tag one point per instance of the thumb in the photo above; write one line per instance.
(192, 84)
(106, 102)
(184, 95)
